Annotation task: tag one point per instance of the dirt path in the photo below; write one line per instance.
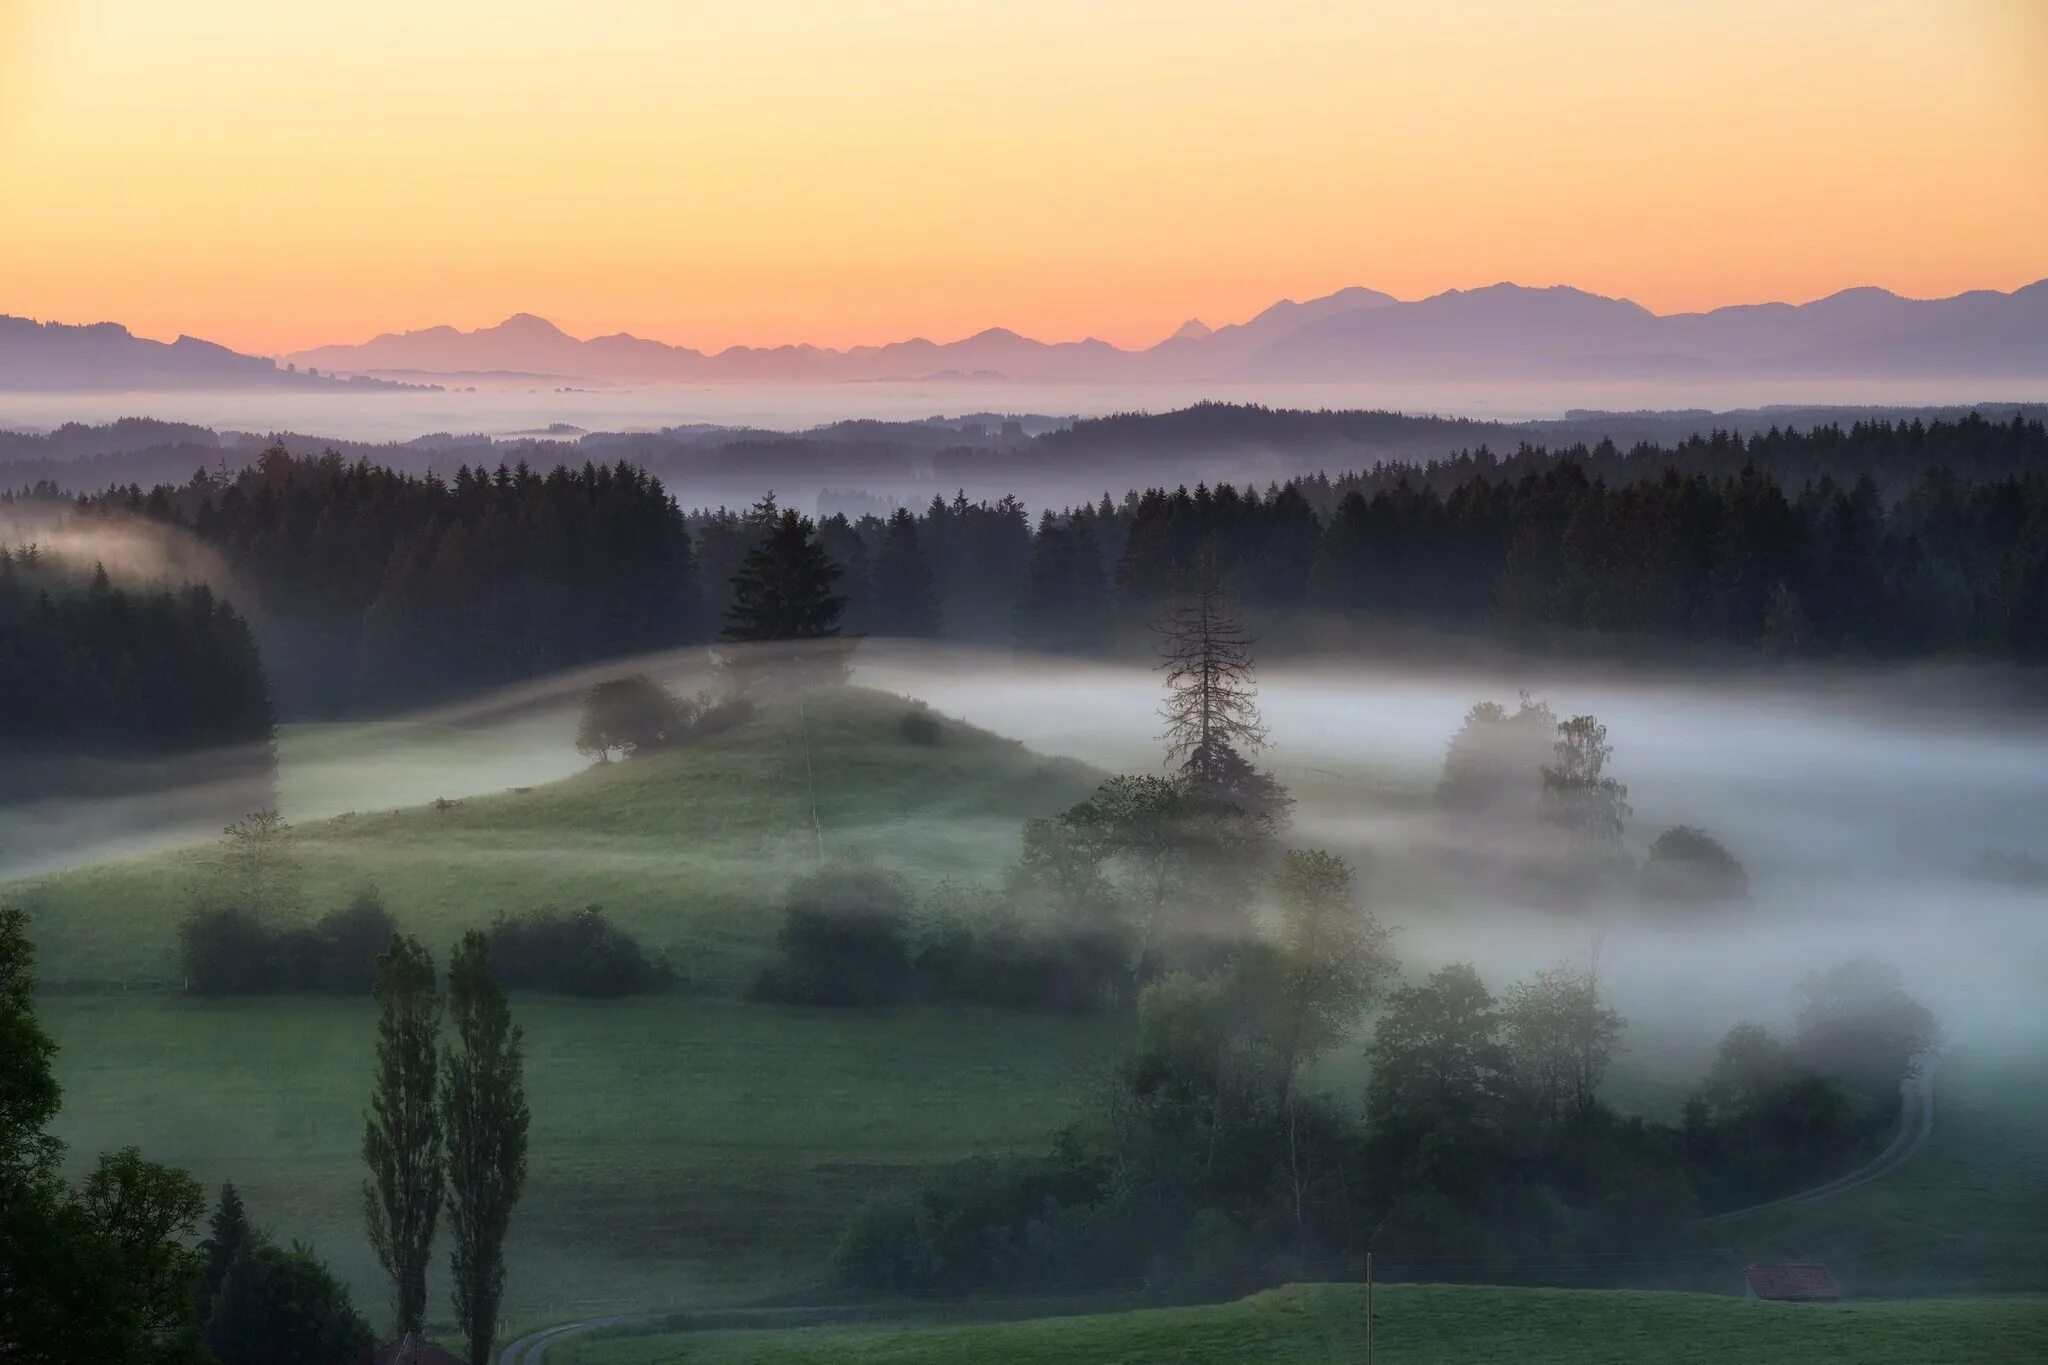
(1916, 1125)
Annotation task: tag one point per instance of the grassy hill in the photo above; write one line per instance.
(687, 1148)
(1442, 1324)
(689, 849)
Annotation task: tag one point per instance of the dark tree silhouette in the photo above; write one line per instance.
(905, 601)
(402, 1131)
(631, 715)
(282, 1304)
(1211, 712)
(783, 590)
(484, 1117)
(227, 1232)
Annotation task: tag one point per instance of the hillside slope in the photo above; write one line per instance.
(689, 849)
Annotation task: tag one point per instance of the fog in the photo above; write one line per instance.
(400, 416)
(1857, 801)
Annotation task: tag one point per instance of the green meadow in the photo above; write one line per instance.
(1441, 1324)
(694, 1149)
(688, 849)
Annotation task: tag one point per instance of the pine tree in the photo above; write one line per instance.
(905, 602)
(226, 1234)
(484, 1114)
(402, 1130)
(783, 590)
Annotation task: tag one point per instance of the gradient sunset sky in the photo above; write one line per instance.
(280, 174)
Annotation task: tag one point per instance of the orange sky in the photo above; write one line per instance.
(275, 175)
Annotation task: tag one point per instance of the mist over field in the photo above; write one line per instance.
(1861, 801)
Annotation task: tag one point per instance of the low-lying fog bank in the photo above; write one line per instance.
(1860, 810)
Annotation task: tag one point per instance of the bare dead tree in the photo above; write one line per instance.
(1211, 713)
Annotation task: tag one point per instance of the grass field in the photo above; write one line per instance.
(1969, 1212)
(685, 1151)
(689, 849)
(1441, 1324)
(694, 1149)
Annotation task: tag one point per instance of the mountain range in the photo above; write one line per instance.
(107, 357)
(1502, 331)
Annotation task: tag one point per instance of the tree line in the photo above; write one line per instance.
(375, 589)
(371, 588)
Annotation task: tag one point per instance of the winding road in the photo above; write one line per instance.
(1916, 1125)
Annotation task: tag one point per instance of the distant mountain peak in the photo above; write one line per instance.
(529, 324)
(1194, 329)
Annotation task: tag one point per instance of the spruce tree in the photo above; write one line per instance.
(783, 590)
(402, 1130)
(905, 602)
(484, 1114)
(227, 1232)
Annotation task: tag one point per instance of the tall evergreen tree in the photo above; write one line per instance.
(783, 590)
(905, 602)
(484, 1114)
(227, 1232)
(402, 1130)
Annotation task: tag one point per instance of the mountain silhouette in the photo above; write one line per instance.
(107, 357)
(1498, 331)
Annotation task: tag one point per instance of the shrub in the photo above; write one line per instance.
(350, 941)
(228, 950)
(580, 953)
(631, 715)
(919, 726)
(844, 940)
(1690, 865)
(972, 947)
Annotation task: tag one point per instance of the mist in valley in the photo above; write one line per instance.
(1865, 806)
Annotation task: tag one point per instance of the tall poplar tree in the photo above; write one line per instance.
(484, 1114)
(402, 1130)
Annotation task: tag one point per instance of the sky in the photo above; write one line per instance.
(274, 176)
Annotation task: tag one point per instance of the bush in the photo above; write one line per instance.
(973, 948)
(632, 715)
(844, 940)
(919, 726)
(577, 954)
(1690, 865)
(228, 950)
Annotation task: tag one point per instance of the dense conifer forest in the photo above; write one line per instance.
(370, 588)
(90, 669)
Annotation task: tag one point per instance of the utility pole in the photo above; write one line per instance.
(1370, 1238)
